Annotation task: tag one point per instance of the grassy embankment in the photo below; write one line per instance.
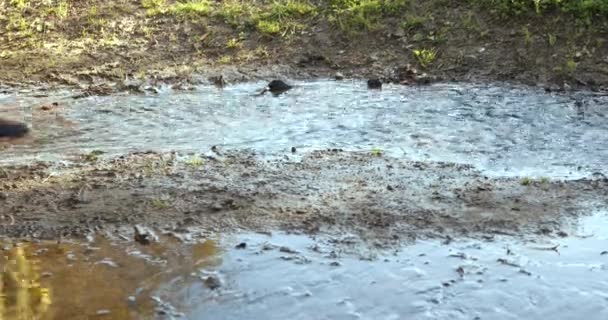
(526, 40)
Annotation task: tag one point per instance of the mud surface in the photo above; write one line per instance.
(374, 196)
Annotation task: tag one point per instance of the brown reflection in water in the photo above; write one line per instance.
(71, 281)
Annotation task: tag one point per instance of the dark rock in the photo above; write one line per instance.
(293, 149)
(339, 76)
(12, 129)
(374, 84)
(278, 86)
(241, 245)
(213, 282)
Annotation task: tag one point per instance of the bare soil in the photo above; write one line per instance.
(118, 46)
(376, 197)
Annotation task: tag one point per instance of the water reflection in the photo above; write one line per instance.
(70, 281)
(21, 294)
(504, 130)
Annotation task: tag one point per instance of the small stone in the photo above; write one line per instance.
(213, 282)
(241, 245)
(152, 89)
(562, 234)
(335, 264)
(339, 76)
(293, 149)
(103, 312)
(287, 250)
(144, 235)
(217, 207)
(278, 86)
(374, 84)
(603, 253)
(389, 188)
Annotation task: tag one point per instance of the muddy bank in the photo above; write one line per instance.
(105, 47)
(373, 196)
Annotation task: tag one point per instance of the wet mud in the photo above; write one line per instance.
(377, 197)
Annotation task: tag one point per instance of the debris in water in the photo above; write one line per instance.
(554, 248)
(604, 253)
(374, 84)
(508, 263)
(287, 250)
(213, 282)
(528, 273)
(103, 312)
(241, 245)
(460, 271)
(144, 235)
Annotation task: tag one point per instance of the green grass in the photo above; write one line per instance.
(413, 22)
(234, 12)
(376, 152)
(584, 10)
(425, 57)
(361, 15)
(552, 39)
(283, 16)
(571, 66)
(195, 161)
(233, 43)
(160, 204)
(191, 8)
(154, 7)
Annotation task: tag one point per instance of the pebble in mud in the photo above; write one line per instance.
(103, 312)
(144, 235)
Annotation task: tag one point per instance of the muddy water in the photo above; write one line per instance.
(102, 279)
(504, 130)
(296, 277)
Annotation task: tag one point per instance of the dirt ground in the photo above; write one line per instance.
(120, 45)
(378, 198)
(103, 47)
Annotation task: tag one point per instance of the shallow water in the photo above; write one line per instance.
(503, 130)
(296, 277)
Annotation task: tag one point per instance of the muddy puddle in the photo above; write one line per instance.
(499, 129)
(281, 276)
(523, 253)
